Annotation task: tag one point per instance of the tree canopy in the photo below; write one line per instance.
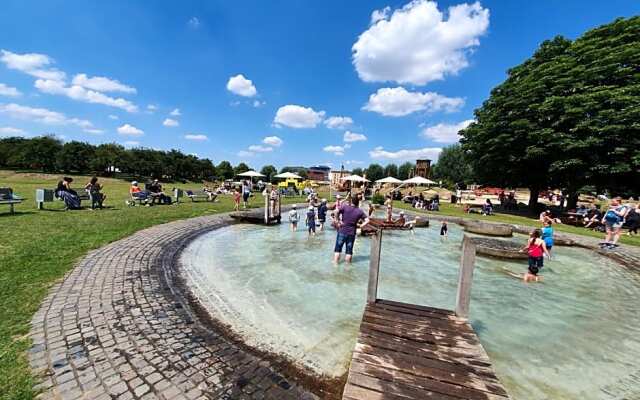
(453, 166)
(375, 172)
(567, 117)
(269, 171)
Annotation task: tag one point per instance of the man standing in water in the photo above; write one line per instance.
(348, 217)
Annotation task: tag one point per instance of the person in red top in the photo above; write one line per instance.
(536, 248)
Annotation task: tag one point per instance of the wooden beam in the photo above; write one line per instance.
(465, 277)
(266, 210)
(374, 267)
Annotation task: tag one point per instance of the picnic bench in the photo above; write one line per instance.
(48, 195)
(194, 195)
(7, 197)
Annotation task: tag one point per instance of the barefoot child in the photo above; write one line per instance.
(536, 248)
(311, 221)
(443, 230)
(293, 218)
(236, 199)
(547, 235)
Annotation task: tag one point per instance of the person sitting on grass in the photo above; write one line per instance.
(95, 191)
(487, 209)
(68, 195)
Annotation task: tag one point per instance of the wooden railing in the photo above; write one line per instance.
(272, 210)
(465, 276)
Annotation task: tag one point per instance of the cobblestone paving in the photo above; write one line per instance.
(115, 328)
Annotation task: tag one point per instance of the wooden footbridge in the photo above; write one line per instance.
(406, 351)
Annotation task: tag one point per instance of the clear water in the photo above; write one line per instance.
(574, 336)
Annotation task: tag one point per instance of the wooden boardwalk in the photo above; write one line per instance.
(406, 351)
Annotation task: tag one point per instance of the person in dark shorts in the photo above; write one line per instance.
(322, 213)
(444, 230)
(311, 220)
(348, 217)
(536, 249)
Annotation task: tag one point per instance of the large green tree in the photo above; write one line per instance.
(240, 168)
(225, 170)
(375, 172)
(269, 171)
(566, 117)
(75, 156)
(405, 170)
(391, 170)
(453, 166)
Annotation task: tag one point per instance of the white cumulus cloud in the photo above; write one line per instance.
(170, 122)
(175, 113)
(336, 150)
(10, 131)
(241, 86)
(9, 91)
(33, 64)
(130, 130)
(431, 153)
(398, 102)
(354, 137)
(258, 148)
(338, 122)
(272, 141)
(42, 115)
(418, 43)
(80, 93)
(196, 136)
(445, 133)
(94, 131)
(114, 117)
(101, 84)
(295, 116)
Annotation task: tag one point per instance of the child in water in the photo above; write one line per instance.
(236, 199)
(311, 221)
(293, 218)
(547, 235)
(443, 230)
(536, 248)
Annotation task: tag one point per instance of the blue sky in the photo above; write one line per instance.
(259, 81)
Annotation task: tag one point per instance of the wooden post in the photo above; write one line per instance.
(465, 277)
(279, 207)
(266, 210)
(374, 267)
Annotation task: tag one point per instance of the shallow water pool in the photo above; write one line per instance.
(574, 336)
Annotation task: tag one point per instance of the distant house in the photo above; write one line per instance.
(318, 173)
(336, 175)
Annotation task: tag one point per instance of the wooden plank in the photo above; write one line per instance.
(426, 323)
(374, 267)
(420, 313)
(421, 336)
(391, 390)
(465, 277)
(412, 328)
(422, 383)
(415, 307)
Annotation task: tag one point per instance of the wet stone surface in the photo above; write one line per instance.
(116, 328)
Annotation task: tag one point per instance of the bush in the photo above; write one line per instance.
(377, 199)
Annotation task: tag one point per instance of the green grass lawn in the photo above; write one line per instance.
(457, 211)
(38, 247)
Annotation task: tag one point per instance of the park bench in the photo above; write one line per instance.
(48, 195)
(7, 197)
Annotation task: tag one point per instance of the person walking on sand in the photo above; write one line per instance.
(536, 249)
(349, 216)
(311, 221)
(293, 218)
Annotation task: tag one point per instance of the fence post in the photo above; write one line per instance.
(374, 267)
(465, 277)
(266, 210)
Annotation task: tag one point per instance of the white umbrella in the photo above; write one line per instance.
(251, 174)
(288, 175)
(389, 179)
(354, 178)
(418, 180)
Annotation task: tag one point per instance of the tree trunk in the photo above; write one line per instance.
(533, 200)
(572, 200)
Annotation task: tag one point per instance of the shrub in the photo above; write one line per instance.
(377, 199)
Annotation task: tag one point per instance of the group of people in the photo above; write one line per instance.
(71, 198)
(152, 193)
(347, 217)
(421, 203)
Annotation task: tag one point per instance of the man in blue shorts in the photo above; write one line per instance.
(348, 217)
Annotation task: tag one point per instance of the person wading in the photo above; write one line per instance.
(348, 217)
